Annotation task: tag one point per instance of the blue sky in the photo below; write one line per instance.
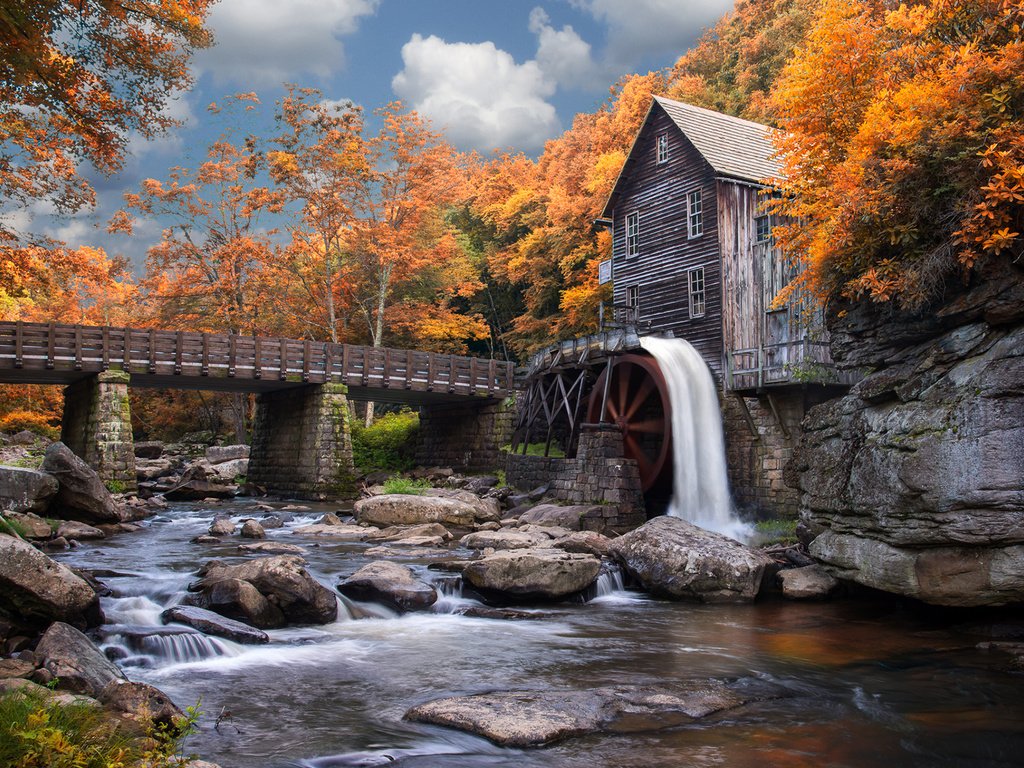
(493, 74)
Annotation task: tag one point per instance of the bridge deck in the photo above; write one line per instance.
(52, 353)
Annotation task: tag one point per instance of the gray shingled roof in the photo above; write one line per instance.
(733, 147)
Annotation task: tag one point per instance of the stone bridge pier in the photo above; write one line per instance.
(465, 436)
(97, 426)
(301, 443)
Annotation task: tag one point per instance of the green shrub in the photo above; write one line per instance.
(406, 486)
(36, 732)
(116, 486)
(388, 443)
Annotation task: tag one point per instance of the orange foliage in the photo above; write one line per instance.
(904, 146)
(78, 78)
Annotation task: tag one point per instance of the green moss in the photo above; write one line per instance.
(405, 486)
(537, 449)
(116, 486)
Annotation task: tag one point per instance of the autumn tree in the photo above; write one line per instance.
(903, 147)
(318, 161)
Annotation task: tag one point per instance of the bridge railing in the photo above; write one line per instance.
(58, 347)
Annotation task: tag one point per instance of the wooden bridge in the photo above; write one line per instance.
(54, 353)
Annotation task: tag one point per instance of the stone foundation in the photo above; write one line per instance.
(598, 475)
(301, 444)
(97, 426)
(759, 442)
(465, 436)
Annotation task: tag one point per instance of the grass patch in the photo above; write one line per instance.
(537, 449)
(406, 486)
(388, 443)
(776, 532)
(38, 733)
(13, 527)
(116, 486)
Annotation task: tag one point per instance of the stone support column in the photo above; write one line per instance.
(97, 426)
(465, 436)
(301, 443)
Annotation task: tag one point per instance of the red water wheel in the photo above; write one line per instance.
(638, 403)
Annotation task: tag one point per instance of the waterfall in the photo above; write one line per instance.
(700, 486)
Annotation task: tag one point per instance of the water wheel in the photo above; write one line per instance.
(638, 403)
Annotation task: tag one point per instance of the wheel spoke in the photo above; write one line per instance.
(634, 451)
(644, 392)
(625, 371)
(648, 426)
(612, 410)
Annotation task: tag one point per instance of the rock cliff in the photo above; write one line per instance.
(913, 483)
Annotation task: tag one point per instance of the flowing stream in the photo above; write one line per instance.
(700, 483)
(872, 683)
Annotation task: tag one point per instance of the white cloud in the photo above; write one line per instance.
(272, 41)
(478, 93)
(563, 55)
(644, 27)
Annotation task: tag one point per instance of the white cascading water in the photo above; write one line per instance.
(700, 485)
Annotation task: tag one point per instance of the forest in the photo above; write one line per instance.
(899, 134)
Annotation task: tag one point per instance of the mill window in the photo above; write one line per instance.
(695, 214)
(633, 234)
(695, 281)
(763, 227)
(662, 148)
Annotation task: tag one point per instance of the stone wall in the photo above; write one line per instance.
(301, 444)
(598, 475)
(465, 436)
(913, 483)
(97, 426)
(758, 450)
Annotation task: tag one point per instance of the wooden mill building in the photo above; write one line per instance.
(693, 255)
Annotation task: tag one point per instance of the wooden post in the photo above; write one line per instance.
(307, 350)
(492, 372)
(204, 369)
(451, 374)
(345, 359)
(257, 371)
(232, 354)
(431, 370)
(51, 342)
(473, 374)
(386, 380)
(78, 347)
(179, 342)
(408, 369)
(105, 347)
(283, 369)
(152, 351)
(19, 341)
(328, 362)
(126, 360)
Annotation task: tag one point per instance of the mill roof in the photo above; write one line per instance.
(733, 147)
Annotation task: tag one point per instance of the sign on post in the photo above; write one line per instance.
(604, 272)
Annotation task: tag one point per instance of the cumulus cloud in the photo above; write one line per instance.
(643, 27)
(271, 41)
(478, 93)
(563, 55)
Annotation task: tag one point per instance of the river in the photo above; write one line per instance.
(872, 682)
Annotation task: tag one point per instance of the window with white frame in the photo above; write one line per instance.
(695, 282)
(633, 297)
(763, 228)
(633, 234)
(662, 148)
(695, 214)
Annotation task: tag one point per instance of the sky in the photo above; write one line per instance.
(492, 74)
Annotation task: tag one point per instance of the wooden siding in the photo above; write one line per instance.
(659, 193)
(743, 294)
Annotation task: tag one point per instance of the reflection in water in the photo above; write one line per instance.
(871, 683)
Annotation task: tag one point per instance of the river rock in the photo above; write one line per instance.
(198, 490)
(37, 590)
(31, 526)
(72, 529)
(914, 476)
(674, 558)
(340, 532)
(271, 548)
(237, 599)
(504, 538)
(142, 702)
(219, 454)
(229, 471)
(555, 514)
(399, 533)
(401, 509)
(212, 623)
(481, 484)
(391, 584)
(149, 449)
(81, 495)
(532, 574)
(588, 542)
(25, 490)
(151, 469)
(283, 581)
(538, 717)
(485, 509)
(812, 582)
(252, 530)
(221, 526)
(76, 662)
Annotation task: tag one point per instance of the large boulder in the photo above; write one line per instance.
(674, 558)
(389, 583)
(219, 454)
(142, 702)
(237, 599)
(212, 623)
(81, 494)
(811, 582)
(912, 480)
(538, 717)
(28, 525)
(568, 516)
(401, 509)
(532, 574)
(485, 509)
(72, 529)
(25, 490)
(75, 661)
(505, 538)
(229, 471)
(35, 590)
(282, 580)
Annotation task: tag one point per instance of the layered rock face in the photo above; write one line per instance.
(913, 483)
